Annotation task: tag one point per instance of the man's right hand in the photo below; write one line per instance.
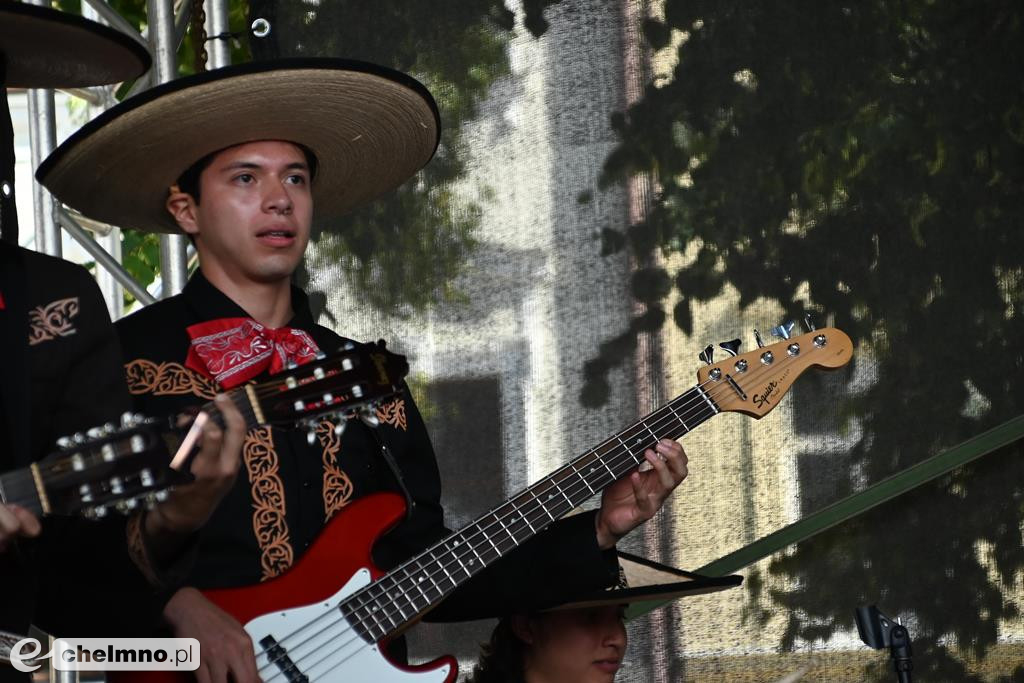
(226, 649)
(15, 522)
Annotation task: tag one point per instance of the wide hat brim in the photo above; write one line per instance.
(649, 581)
(370, 127)
(47, 48)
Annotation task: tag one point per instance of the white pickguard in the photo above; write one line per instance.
(324, 647)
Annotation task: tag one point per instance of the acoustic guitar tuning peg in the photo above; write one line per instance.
(732, 347)
(707, 354)
(369, 416)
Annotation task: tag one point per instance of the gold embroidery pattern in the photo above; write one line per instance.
(52, 320)
(337, 488)
(393, 413)
(167, 379)
(268, 520)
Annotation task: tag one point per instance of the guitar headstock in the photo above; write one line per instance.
(753, 382)
(114, 467)
(350, 381)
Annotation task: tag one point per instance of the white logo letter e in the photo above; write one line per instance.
(18, 658)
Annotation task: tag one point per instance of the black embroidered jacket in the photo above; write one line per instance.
(288, 489)
(61, 374)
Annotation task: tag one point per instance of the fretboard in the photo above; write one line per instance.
(420, 583)
(19, 488)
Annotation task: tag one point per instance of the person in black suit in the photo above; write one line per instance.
(241, 179)
(61, 374)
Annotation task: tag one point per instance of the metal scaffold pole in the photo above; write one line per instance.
(217, 29)
(42, 124)
(173, 248)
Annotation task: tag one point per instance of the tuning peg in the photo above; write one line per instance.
(784, 330)
(320, 355)
(98, 512)
(310, 433)
(731, 347)
(369, 416)
(339, 428)
(65, 442)
(291, 365)
(809, 323)
(131, 419)
(348, 346)
(707, 355)
(757, 338)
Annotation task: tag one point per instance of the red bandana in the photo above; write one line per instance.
(234, 350)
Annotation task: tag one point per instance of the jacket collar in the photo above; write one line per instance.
(209, 303)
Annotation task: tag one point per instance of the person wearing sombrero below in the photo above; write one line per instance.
(237, 159)
(581, 638)
(62, 374)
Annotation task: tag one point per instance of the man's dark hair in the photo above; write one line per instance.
(188, 182)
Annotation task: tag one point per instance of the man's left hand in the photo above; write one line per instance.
(634, 499)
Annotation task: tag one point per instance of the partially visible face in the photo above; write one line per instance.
(575, 646)
(253, 220)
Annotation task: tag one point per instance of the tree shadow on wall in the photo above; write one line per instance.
(866, 161)
(404, 251)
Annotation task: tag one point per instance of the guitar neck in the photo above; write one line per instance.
(246, 399)
(389, 604)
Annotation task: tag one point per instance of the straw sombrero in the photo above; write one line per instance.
(47, 48)
(370, 127)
